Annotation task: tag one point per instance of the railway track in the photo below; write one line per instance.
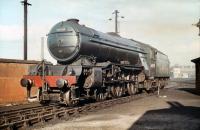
(31, 116)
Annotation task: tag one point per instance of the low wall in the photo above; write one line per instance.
(11, 72)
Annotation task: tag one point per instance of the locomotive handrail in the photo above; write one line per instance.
(60, 32)
(129, 49)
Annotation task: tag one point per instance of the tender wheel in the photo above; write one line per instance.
(163, 83)
(148, 86)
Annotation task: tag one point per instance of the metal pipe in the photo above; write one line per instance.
(42, 48)
(116, 21)
(28, 92)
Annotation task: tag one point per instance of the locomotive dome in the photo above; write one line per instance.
(62, 41)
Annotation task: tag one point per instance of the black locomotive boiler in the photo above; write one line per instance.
(96, 65)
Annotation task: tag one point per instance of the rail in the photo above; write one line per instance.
(28, 117)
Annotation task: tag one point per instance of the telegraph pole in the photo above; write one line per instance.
(26, 4)
(116, 12)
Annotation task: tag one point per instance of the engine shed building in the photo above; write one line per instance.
(197, 66)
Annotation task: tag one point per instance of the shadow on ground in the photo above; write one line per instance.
(177, 117)
(190, 90)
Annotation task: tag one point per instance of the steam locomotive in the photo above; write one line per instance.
(94, 65)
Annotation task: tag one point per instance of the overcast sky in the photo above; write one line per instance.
(164, 24)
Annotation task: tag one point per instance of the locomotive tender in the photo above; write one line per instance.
(95, 65)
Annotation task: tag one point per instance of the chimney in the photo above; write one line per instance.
(73, 20)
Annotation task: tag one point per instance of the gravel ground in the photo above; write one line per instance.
(177, 108)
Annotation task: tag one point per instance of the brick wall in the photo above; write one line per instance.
(11, 72)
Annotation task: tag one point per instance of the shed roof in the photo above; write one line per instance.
(197, 60)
